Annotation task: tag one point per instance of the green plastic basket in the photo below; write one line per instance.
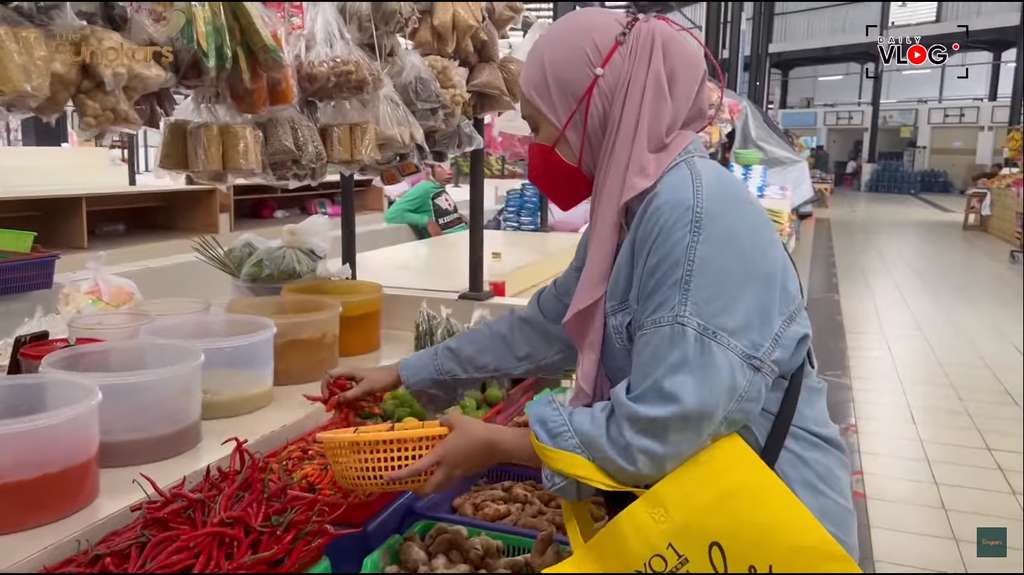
(322, 566)
(375, 562)
(16, 241)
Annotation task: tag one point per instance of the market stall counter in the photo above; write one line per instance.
(523, 260)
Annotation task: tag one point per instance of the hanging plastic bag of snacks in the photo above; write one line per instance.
(253, 86)
(447, 327)
(511, 68)
(487, 87)
(419, 89)
(330, 66)
(468, 19)
(376, 26)
(457, 140)
(302, 248)
(293, 151)
(486, 43)
(348, 134)
(398, 132)
(24, 63)
(504, 15)
(64, 43)
(452, 80)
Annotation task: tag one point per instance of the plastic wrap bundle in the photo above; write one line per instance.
(452, 80)
(419, 89)
(376, 26)
(24, 63)
(486, 86)
(210, 142)
(522, 209)
(457, 140)
(754, 178)
(293, 151)
(348, 133)
(330, 66)
(302, 248)
(425, 327)
(398, 132)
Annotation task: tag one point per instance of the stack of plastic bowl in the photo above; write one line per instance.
(173, 308)
(152, 396)
(238, 365)
(49, 437)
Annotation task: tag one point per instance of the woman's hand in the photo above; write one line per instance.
(367, 381)
(472, 446)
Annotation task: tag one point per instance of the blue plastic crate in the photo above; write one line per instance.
(20, 273)
(439, 505)
(346, 551)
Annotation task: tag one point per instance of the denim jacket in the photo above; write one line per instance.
(704, 323)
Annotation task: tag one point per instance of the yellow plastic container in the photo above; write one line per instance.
(306, 342)
(363, 457)
(359, 318)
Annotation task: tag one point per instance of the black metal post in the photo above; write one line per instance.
(348, 221)
(783, 90)
(993, 77)
(755, 55)
(131, 142)
(765, 73)
(563, 8)
(860, 86)
(876, 91)
(1018, 78)
(713, 29)
(942, 80)
(476, 291)
(732, 76)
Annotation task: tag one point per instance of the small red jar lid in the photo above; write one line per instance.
(40, 349)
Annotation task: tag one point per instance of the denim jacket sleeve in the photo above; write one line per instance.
(684, 388)
(524, 342)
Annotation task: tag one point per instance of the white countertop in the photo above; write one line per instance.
(21, 551)
(442, 263)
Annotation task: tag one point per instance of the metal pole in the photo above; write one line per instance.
(783, 90)
(755, 55)
(1018, 78)
(348, 222)
(476, 290)
(942, 80)
(765, 74)
(993, 77)
(713, 29)
(129, 141)
(876, 91)
(732, 77)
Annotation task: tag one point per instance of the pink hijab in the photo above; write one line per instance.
(648, 105)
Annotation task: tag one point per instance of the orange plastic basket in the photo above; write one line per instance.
(363, 457)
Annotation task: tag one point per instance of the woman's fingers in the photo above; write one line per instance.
(425, 463)
(332, 374)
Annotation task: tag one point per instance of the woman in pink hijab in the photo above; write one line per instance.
(681, 312)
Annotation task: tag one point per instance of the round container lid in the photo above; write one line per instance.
(174, 306)
(110, 320)
(40, 349)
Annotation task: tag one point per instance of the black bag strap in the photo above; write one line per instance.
(784, 416)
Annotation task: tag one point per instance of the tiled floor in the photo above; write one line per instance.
(934, 322)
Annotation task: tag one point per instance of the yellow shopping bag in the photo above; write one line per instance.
(722, 511)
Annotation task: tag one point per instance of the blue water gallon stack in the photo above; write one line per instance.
(522, 209)
(754, 177)
(934, 182)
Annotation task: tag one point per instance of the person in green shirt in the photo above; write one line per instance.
(427, 207)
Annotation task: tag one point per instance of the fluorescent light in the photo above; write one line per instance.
(830, 77)
(1011, 64)
(886, 101)
(915, 71)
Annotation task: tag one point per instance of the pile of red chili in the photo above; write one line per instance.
(350, 413)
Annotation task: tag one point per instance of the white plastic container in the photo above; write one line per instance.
(152, 396)
(238, 370)
(173, 308)
(49, 438)
(108, 325)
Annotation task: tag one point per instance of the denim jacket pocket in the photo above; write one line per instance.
(619, 318)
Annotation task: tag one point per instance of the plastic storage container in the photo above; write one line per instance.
(16, 240)
(172, 308)
(306, 343)
(241, 288)
(238, 365)
(49, 437)
(359, 316)
(30, 356)
(152, 396)
(108, 325)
